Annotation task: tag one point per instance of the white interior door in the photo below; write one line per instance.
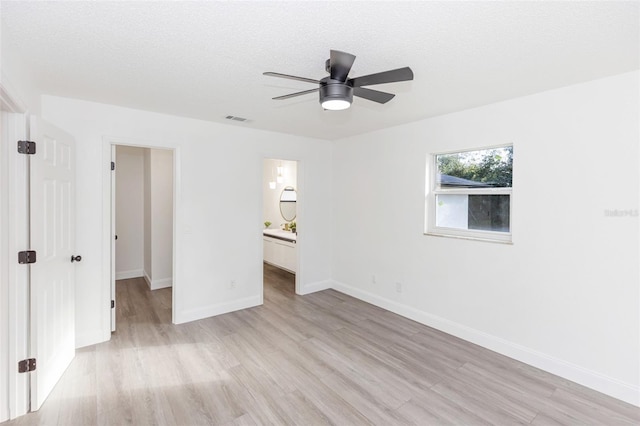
(52, 208)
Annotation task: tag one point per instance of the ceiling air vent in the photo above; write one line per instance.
(234, 118)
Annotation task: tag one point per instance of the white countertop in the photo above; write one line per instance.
(279, 233)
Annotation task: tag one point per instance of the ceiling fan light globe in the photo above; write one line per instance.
(336, 104)
(336, 97)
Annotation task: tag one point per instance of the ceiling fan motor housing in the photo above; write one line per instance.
(335, 90)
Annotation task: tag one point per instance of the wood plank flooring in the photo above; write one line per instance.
(325, 358)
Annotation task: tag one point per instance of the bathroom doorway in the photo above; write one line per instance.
(142, 227)
(280, 213)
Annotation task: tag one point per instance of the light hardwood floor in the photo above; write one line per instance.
(325, 358)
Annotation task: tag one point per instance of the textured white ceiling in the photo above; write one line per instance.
(205, 59)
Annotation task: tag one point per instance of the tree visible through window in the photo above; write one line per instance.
(492, 167)
(471, 193)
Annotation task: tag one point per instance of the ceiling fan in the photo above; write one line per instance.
(337, 90)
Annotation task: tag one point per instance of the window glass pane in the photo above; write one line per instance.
(489, 212)
(475, 212)
(452, 211)
(487, 168)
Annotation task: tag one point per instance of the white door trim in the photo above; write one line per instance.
(4, 272)
(300, 215)
(14, 234)
(112, 264)
(108, 240)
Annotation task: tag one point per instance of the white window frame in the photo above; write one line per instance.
(432, 192)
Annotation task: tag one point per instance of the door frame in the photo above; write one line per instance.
(14, 237)
(108, 258)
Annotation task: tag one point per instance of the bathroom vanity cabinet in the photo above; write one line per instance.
(280, 249)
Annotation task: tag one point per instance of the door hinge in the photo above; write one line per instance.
(113, 165)
(28, 256)
(113, 304)
(26, 365)
(26, 147)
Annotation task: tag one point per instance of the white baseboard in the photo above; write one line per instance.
(157, 284)
(125, 275)
(216, 309)
(313, 287)
(146, 278)
(161, 283)
(591, 379)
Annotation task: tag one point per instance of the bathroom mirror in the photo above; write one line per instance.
(288, 203)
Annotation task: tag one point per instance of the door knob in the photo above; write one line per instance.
(76, 258)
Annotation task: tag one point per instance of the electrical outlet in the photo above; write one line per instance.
(232, 284)
(373, 279)
(399, 287)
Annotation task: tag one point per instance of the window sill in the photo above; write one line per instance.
(467, 237)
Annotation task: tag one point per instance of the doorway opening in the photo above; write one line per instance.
(142, 223)
(280, 214)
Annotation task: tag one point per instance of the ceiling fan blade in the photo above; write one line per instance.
(293, 95)
(291, 77)
(340, 64)
(401, 74)
(373, 95)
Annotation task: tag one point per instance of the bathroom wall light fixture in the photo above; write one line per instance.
(280, 178)
(272, 182)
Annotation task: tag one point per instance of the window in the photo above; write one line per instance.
(469, 194)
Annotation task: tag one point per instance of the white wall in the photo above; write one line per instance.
(161, 217)
(129, 212)
(565, 295)
(219, 221)
(271, 197)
